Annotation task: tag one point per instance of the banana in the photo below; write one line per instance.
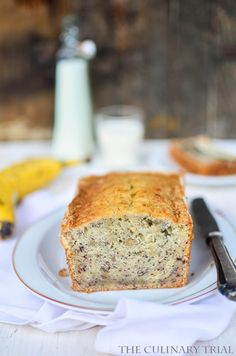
(21, 179)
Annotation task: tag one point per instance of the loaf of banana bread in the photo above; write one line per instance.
(128, 231)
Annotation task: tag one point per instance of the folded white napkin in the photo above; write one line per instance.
(133, 323)
(152, 329)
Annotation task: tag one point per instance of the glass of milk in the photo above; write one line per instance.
(119, 132)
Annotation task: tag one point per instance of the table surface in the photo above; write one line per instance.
(28, 341)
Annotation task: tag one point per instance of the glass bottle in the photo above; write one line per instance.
(72, 134)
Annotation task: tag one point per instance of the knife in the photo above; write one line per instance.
(209, 230)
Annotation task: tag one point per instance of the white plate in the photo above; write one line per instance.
(163, 161)
(38, 257)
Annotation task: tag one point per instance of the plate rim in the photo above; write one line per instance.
(204, 292)
(210, 288)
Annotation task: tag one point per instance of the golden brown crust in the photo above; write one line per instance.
(117, 194)
(188, 253)
(215, 167)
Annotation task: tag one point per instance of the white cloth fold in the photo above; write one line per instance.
(145, 327)
(133, 323)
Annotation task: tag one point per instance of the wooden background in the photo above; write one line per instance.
(174, 58)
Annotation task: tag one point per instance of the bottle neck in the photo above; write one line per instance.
(66, 52)
(69, 39)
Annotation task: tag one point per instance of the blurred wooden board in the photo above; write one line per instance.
(176, 59)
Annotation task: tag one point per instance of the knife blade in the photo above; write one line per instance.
(208, 228)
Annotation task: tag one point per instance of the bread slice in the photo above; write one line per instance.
(201, 155)
(128, 231)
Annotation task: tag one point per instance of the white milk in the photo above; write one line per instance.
(119, 139)
(72, 136)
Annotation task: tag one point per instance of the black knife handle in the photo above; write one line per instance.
(226, 269)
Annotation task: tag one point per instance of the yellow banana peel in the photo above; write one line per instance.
(21, 179)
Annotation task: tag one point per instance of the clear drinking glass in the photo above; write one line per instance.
(119, 132)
